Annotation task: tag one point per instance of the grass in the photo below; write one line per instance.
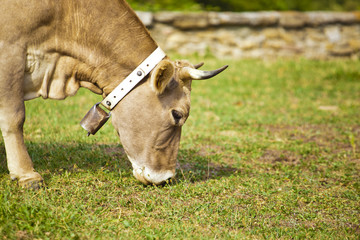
(271, 150)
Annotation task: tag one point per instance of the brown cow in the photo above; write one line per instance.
(50, 48)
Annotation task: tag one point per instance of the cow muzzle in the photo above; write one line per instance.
(95, 118)
(148, 176)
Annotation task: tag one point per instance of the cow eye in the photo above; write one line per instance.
(177, 116)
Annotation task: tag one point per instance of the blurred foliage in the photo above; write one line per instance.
(165, 5)
(245, 5)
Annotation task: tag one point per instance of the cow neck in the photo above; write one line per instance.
(107, 36)
(140, 72)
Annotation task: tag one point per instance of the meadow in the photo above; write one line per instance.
(270, 150)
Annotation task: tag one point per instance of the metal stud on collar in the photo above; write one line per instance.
(133, 79)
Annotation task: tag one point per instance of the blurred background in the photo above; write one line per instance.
(245, 5)
(238, 29)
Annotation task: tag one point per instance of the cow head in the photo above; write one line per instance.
(149, 119)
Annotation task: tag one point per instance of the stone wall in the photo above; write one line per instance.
(316, 35)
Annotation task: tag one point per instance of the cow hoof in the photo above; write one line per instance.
(33, 185)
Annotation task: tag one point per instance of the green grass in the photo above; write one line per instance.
(271, 150)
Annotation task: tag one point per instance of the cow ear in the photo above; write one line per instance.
(161, 76)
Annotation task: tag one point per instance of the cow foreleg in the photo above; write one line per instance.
(18, 160)
(12, 118)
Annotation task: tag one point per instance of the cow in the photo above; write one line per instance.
(51, 48)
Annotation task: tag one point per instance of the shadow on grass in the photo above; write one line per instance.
(196, 167)
(56, 158)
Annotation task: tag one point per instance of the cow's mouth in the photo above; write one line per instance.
(148, 176)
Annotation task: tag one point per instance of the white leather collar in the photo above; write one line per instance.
(133, 79)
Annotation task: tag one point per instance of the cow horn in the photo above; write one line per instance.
(199, 65)
(195, 74)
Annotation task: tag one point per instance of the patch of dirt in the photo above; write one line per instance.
(325, 136)
(22, 235)
(283, 156)
(210, 150)
(219, 170)
(184, 166)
